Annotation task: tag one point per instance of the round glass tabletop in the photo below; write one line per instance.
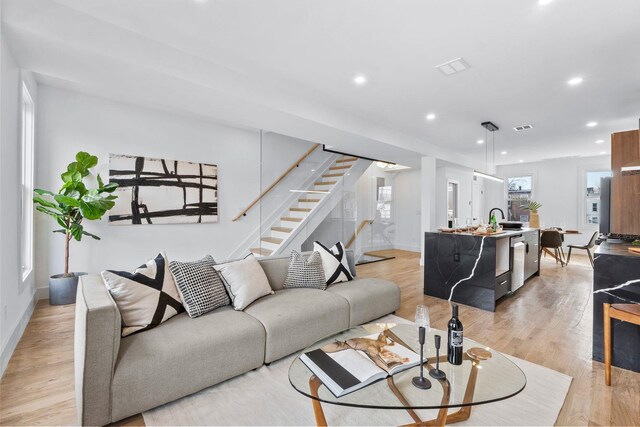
(484, 376)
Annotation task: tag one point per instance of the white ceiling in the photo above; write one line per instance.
(288, 65)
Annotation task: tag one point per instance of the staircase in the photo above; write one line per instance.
(318, 197)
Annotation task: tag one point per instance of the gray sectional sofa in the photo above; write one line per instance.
(118, 377)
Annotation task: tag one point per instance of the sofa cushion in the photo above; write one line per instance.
(200, 287)
(145, 297)
(368, 298)
(245, 281)
(334, 262)
(182, 356)
(305, 272)
(296, 318)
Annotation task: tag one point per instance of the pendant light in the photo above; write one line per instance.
(489, 127)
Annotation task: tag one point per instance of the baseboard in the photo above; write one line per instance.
(42, 293)
(12, 343)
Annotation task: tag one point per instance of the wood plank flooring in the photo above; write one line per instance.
(547, 322)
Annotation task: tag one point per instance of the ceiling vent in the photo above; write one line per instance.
(523, 127)
(452, 67)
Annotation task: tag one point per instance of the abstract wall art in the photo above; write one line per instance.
(159, 191)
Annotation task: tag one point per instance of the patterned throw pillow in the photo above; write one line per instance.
(145, 297)
(334, 262)
(199, 285)
(305, 272)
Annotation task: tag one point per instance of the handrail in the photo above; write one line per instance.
(362, 225)
(280, 178)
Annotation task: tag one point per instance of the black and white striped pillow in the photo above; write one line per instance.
(334, 262)
(305, 272)
(200, 286)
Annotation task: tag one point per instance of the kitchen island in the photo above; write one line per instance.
(616, 280)
(479, 270)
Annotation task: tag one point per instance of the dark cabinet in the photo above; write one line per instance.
(532, 253)
(503, 285)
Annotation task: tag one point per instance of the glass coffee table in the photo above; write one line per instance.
(485, 376)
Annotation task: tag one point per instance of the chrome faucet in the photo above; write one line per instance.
(496, 209)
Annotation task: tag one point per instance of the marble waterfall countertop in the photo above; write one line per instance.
(616, 280)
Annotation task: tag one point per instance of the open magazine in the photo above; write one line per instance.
(346, 366)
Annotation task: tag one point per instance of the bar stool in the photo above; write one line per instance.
(625, 312)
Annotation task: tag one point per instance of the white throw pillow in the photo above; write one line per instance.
(245, 281)
(334, 262)
(145, 297)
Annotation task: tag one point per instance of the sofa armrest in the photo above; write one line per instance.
(96, 346)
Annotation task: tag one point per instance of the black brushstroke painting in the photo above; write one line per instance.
(157, 191)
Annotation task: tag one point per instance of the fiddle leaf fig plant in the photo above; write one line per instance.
(75, 201)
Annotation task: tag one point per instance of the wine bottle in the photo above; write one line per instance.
(454, 347)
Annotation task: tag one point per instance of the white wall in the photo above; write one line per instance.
(408, 210)
(559, 184)
(69, 122)
(17, 298)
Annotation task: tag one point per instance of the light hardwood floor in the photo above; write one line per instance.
(547, 322)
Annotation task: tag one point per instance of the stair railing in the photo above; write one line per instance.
(355, 235)
(280, 178)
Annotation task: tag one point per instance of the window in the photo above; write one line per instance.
(27, 140)
(592, 195)
(384, 202)
(518, 193)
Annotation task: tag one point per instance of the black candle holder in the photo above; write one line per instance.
(436, 372)
(421, 382)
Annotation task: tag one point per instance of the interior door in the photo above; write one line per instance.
(477, 201)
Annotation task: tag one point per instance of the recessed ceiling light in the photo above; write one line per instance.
(503, 152)
(603, 152)
(575, 81)
(600, 141)
(359, 79)
(480, 141)
(431, 116)
(592, 124)
(543, 2)
(520, 161)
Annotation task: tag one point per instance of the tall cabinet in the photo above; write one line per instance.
(625, 188)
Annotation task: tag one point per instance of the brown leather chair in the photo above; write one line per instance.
(586, 247)
(625, 312)
(552, 239)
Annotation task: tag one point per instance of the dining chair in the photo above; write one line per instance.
(624, 312)
(587, 247)
(551, 239)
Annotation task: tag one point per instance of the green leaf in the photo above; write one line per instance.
(76, 231)
(86, 160)
(45, 203)
(61, 223)
(43, 192)
(90, 235)
(100, 183)
(91, 210)
(109, 188)
(66, 200)
(47, 211)
(71, 176)
(60, 231)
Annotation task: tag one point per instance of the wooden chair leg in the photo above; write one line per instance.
(607, 344)
(590, 257)
(569, 256)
